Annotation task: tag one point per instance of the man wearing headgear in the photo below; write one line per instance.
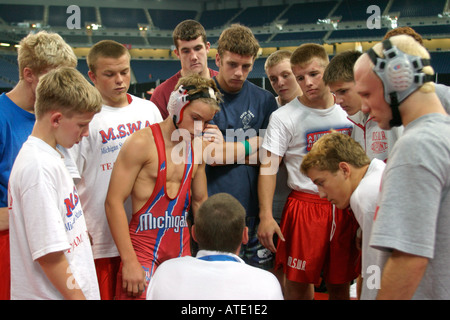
(158, 168)
(442, 91)
(412, 220)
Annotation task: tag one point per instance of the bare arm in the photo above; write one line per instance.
(199, 188)
(266, 188)
(56, 268)
(219, 152)
(4, 219)
(126, 168)
(401, 276)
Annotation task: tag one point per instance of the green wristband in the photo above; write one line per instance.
(248, 147)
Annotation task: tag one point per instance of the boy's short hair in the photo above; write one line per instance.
(105, 49)
(219, 223)
(238, 39)
(330, 150)
(276, 57)
(65, 89)
(340, 67)
(306, 52)
(188, 30)
(43, 51)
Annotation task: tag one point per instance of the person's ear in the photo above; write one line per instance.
(55, 119)
(345, 168)
(193, 233)
(28, 75)
(217, 60)
(245, 236)
(177, 53)
(92, 76)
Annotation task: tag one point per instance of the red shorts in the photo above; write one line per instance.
(5, 271)
(107, 269)
(318, 237)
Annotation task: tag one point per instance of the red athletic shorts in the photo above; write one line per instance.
(318, 237)
(5, 271)
(107, 269)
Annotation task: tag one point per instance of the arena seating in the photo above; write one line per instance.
(281, 24)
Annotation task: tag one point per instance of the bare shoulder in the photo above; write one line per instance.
(140, 144)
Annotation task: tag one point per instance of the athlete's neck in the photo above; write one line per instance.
(23, 96)
(168, 129)
(120, 102)
(325, 102)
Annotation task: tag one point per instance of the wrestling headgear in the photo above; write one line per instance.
(401, 75)
(180, 98)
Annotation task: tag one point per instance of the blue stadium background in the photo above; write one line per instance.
(145, 27)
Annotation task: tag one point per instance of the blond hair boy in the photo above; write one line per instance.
(122, 114)
(37, 54)
(51, 255)
(279, 71)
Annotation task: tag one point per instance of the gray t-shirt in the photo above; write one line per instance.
(443, 92)
(414, 213)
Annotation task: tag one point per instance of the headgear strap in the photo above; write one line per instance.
(180, 98)
(401, 75)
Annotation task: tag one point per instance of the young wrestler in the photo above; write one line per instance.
(158, 168)
(314, 236)
(412, 219)
(51, 254)
(191, 47)
(339, 77)
(37, 54)
(345, 176)
(121, 115)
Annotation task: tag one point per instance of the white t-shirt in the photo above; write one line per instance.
(46, 217)
(375, 141)
(281, 190)
(95, 157)
(363, 203)
(222, 276)
(292, 131)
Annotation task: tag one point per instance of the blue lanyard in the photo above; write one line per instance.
(219, 257)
